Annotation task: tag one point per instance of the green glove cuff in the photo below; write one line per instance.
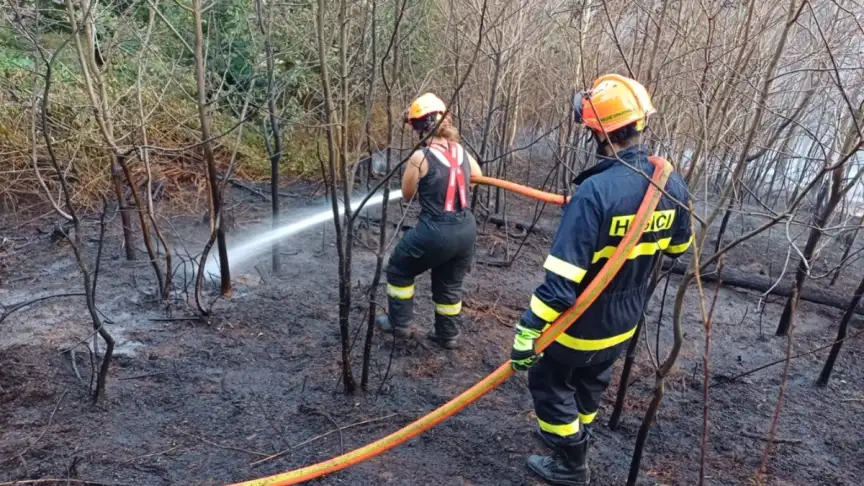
(527, 332)
(524, 339)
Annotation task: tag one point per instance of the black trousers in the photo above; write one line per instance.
(566, 397)
(444, 244)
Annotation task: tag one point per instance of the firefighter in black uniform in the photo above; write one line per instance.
(443, 240)
(569, 378)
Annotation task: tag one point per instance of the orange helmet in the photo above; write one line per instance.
(426, 104)
(614, 102)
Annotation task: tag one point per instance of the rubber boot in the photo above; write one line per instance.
(446, 343)
(567, 467)
(383, 323)
(445, 331)
(586, 430)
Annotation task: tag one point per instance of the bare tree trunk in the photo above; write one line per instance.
(657, 37)
(644, 428)
(145, 154)
(661, 373)
(502, 147)
(494, 85)
(804, 265)
(725, 221)
(382, 235)
(626, 370)
(839, 187)
(847, 243)
(98, 93)
(347, 187)
(781, 162)
(707, 315)
(142, 219)
(215, 194)
(632, 346)
(117, 185)
(771, 142)
(344, 234)
(85, 58)
(77, 242)
(776, 418)
(274, 151)
(825, 375)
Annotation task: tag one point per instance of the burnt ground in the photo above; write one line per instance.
(190, 402)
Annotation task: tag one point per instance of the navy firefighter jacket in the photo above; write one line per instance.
(593, 225)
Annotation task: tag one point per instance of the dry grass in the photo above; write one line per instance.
(176, 164)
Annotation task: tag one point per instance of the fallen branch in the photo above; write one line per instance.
(235, 182)
(764, 285)
(34, 301)
(173, 319)
(221, 446)
(722, 380)
(157, 453)
(776, 440)
(325, 434)
(328, 417)
(138, 377)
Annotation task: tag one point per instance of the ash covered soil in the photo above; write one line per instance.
(191, 402)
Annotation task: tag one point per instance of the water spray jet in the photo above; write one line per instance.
(237, 255)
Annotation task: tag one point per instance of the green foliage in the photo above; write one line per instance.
(231, 51)
(14, 56)
(52, 16)
(236, 63)
(13, 61)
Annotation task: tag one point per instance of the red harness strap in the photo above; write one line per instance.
(456, 178)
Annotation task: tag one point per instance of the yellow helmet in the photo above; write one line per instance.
(426, 104)
(615, 102)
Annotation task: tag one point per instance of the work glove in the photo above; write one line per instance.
(523, 354)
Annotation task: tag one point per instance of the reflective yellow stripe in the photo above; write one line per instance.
(543, 311)
(449, 309)
(400, 292)
(580, 344)
(676, 249)
(642, 249)
(564, 269)
(587, 418)
(559, 430)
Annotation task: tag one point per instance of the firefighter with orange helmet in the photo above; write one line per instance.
(443, 239)
(568, 380)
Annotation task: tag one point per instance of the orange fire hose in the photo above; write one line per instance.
(520, 189)
(662, 170)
